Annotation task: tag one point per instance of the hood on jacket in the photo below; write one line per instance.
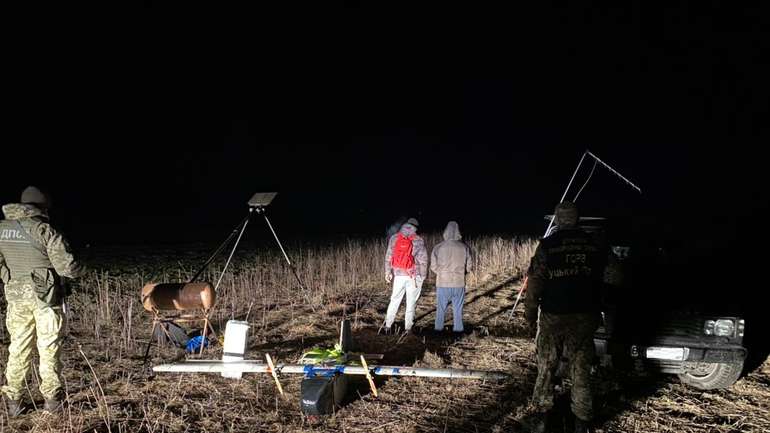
(17, 211)
(408, 230)
(452, 232)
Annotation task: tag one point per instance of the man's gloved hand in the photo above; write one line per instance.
(418, 281)
(389, 276)
(531, 329)
(66, 286)
(530, 315)
(531, 318)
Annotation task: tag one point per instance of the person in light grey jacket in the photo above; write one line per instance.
(450, 261)
(406, 265)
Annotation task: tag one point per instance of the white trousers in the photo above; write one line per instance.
(403, 285)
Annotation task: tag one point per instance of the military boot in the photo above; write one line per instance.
(52, 405)
(582, 426)
(14, 408)
(541, 422)
(539, 426)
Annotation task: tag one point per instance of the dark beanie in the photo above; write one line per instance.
(32, 195)
(566, 214)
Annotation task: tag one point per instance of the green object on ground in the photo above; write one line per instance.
(319, 355)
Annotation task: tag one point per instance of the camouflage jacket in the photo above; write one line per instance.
(31, 251)
(565, 274)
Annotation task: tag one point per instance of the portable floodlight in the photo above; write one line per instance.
(257, 203)
(262, 199)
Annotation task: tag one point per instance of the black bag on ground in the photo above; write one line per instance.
(170, 333)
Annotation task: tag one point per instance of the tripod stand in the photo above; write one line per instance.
(257, 204)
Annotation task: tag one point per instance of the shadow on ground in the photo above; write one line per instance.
(473, 296)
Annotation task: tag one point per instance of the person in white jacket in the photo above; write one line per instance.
(406, 265)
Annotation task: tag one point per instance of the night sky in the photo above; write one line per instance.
(160, 129)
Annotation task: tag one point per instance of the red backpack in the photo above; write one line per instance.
(402, 253)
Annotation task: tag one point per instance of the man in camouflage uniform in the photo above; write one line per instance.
(33, 258)
(565, 277)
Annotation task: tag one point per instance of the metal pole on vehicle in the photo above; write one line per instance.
(631, 184)
(550, 224)
(569, 185)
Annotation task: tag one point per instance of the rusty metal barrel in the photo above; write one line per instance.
(178, 296)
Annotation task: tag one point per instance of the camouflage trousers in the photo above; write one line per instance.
(570, 336)
(29, 320)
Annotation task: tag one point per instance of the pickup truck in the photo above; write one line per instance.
(665, 312)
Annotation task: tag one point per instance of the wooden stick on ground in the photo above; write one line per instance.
(274, 373)
(369, 376)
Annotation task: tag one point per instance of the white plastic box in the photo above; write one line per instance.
(236, 336)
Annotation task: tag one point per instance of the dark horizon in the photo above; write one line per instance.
(488, 131)
(189, 203)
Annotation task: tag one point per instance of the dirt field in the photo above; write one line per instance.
(110, 391)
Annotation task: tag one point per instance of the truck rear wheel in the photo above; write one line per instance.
(711, 375)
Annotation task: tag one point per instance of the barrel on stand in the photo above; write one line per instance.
(196, 298)
(178, 296)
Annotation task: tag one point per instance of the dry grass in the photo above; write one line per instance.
(109, 391)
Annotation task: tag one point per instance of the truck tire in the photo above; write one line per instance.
(711, 375)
